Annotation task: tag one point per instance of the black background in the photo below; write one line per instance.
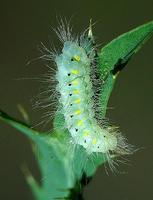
(23, 25)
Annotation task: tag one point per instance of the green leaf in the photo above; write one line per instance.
(115, 55)
(24, 128)
(52, 159)
(61, 167)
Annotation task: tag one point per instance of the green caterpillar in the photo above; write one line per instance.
(77, 95)
(76, 66)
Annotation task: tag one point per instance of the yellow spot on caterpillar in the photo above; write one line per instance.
(74, 71)
(94, 141)
(76, 91)
(75, 82)
(77, 101)
(85, 133)
(80, 123)
(77, 58)
(78, 112)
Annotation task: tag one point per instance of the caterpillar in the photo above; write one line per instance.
(78, 84)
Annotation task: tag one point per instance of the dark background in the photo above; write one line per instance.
(23, 25)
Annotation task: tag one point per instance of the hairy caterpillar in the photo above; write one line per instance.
(78, 85)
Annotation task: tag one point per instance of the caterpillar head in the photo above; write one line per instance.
(72, 62)
(75, 53)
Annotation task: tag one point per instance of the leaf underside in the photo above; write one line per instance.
(65, 169)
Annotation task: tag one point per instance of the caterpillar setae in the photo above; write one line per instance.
(78, 85)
